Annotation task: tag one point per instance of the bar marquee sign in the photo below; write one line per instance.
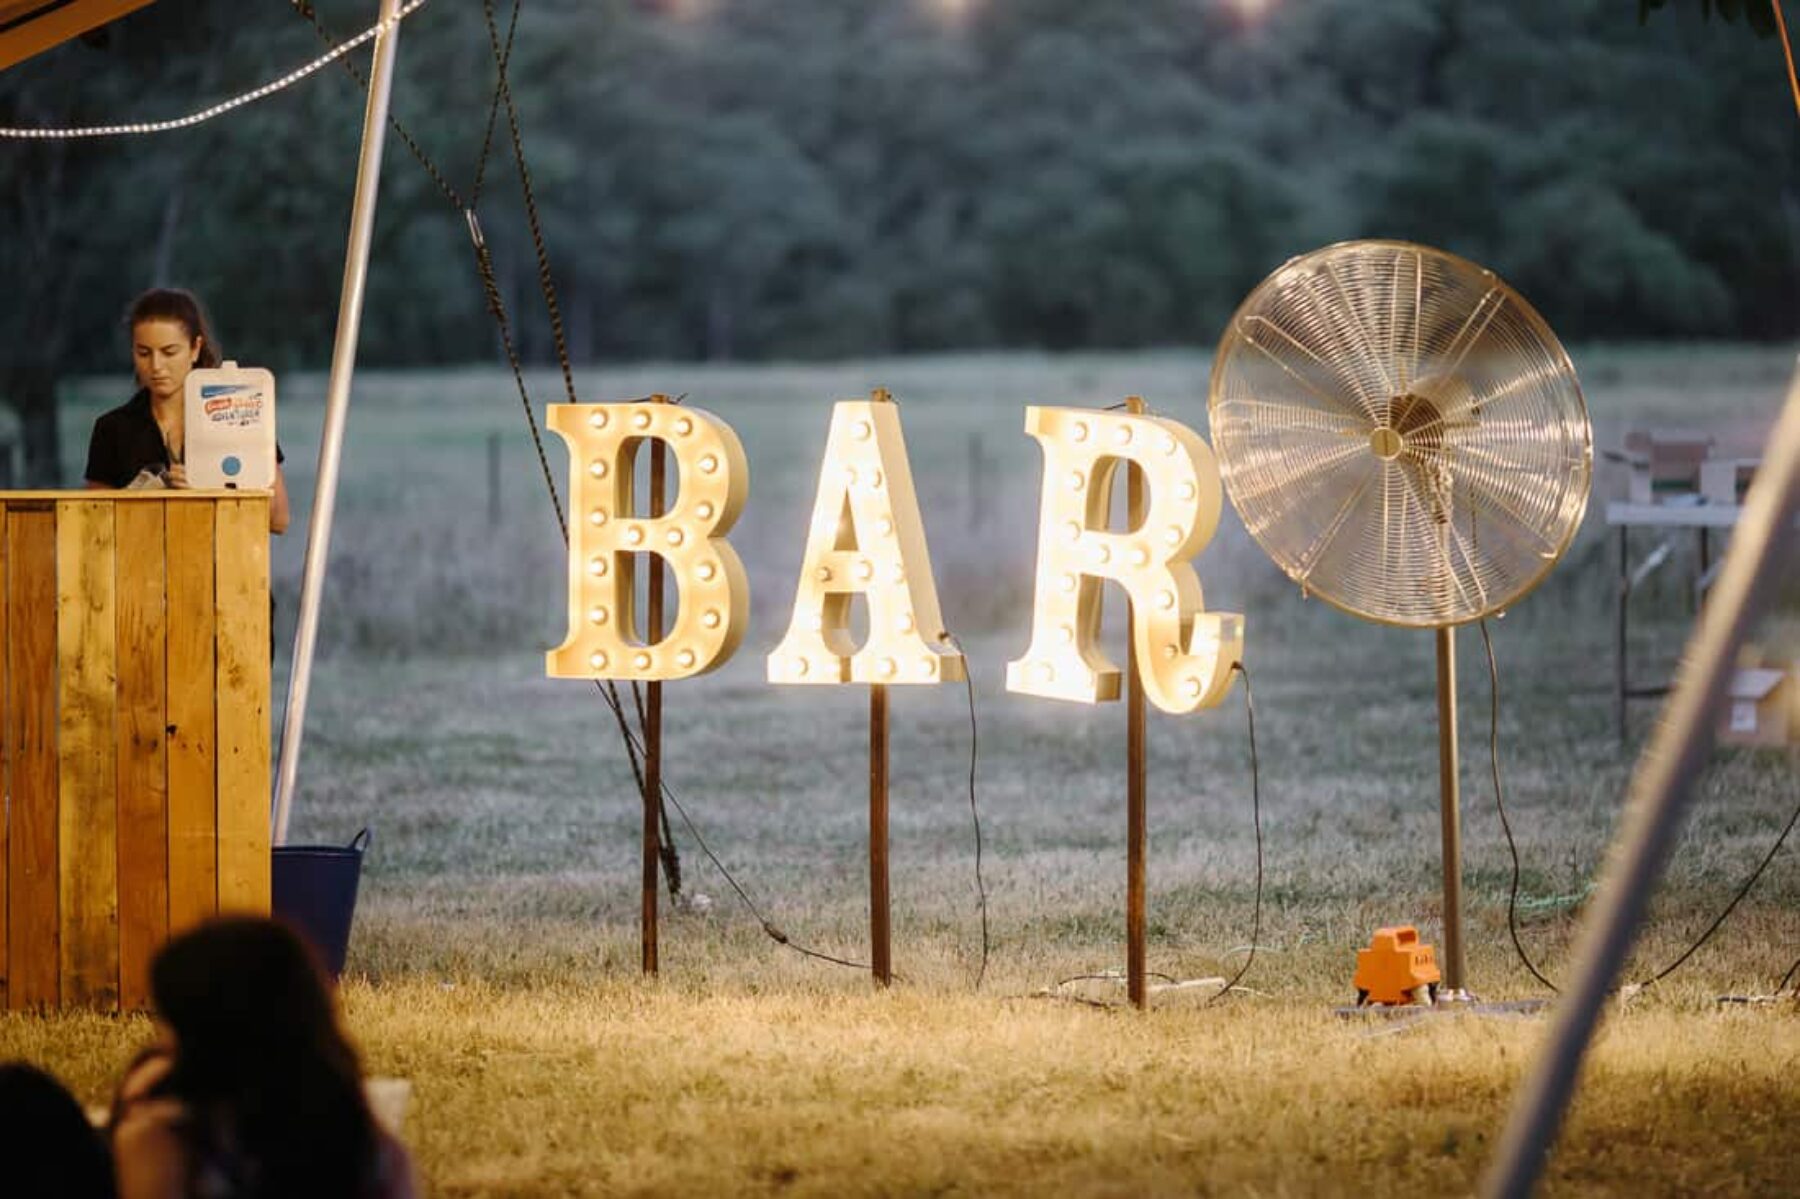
(866, 538)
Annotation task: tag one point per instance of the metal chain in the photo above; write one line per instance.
(545, 282)
(487, 137)
(670, 853)
(305, 9)
(497, 308)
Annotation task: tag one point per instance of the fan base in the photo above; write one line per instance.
(1449, 1003)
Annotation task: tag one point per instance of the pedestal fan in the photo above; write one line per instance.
(1404, 435)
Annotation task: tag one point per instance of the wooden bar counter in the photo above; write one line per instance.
(134, 732)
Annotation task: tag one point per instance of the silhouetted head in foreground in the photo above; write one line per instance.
(48, 1148)
(269, 1089)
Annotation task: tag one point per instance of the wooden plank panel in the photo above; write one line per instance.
(143, 768)
(87, 772)
(193, 783)
(30, 27)
(241, 563)
(31, 910)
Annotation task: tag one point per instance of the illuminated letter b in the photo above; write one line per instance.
(606, 535)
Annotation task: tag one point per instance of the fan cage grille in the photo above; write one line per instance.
(1401, 432)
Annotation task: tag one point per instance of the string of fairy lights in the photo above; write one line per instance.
(142, 128)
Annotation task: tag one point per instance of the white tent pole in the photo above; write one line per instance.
(337, 404)
(1658, 798)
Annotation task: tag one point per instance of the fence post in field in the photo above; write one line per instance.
(493, 478)
(977, 468)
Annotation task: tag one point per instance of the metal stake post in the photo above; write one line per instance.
(880, 951)
(1450, 800)
(337, 406)
(881, 961)
(1137, 768)
(653, 717)
(1621, 644)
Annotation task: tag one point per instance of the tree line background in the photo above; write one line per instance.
(728, 179)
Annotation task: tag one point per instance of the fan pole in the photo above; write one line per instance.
(1136, 768)
(1449, 796)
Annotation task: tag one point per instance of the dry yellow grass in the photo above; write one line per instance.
(622, 1088)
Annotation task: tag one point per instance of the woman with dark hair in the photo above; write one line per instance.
(47, 1147)
(254, 1092)
(170, 336)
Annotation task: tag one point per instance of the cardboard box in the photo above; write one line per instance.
(1761, 707)
(1725, 480)
(1664, 462)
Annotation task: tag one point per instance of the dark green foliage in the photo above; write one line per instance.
(727, 179)
(1759, 15)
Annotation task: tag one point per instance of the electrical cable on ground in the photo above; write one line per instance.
(974, 812)
(1512, 898)
(1512, 847)
(1256, 911)
(1112, 977)
(774, 931)
(1256, 818)
(1729, 908)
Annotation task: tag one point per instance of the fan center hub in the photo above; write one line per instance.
(1387, 443)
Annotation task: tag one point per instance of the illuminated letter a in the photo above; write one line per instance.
(866, 538)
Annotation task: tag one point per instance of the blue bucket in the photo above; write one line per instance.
(313, 889)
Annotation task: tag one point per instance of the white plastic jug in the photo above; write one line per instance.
(230, 414)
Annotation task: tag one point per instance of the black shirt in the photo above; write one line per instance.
(126, 441)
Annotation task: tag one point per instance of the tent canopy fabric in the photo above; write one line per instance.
(30, 27)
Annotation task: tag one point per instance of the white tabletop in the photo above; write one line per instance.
(1701, 516)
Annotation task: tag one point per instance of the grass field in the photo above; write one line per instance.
(495, 958)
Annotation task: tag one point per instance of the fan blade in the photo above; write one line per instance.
(1306, 476)
(1353, 319)
(1298, 417)
(1335, 525)
(1486, 309)
(1360, 405)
